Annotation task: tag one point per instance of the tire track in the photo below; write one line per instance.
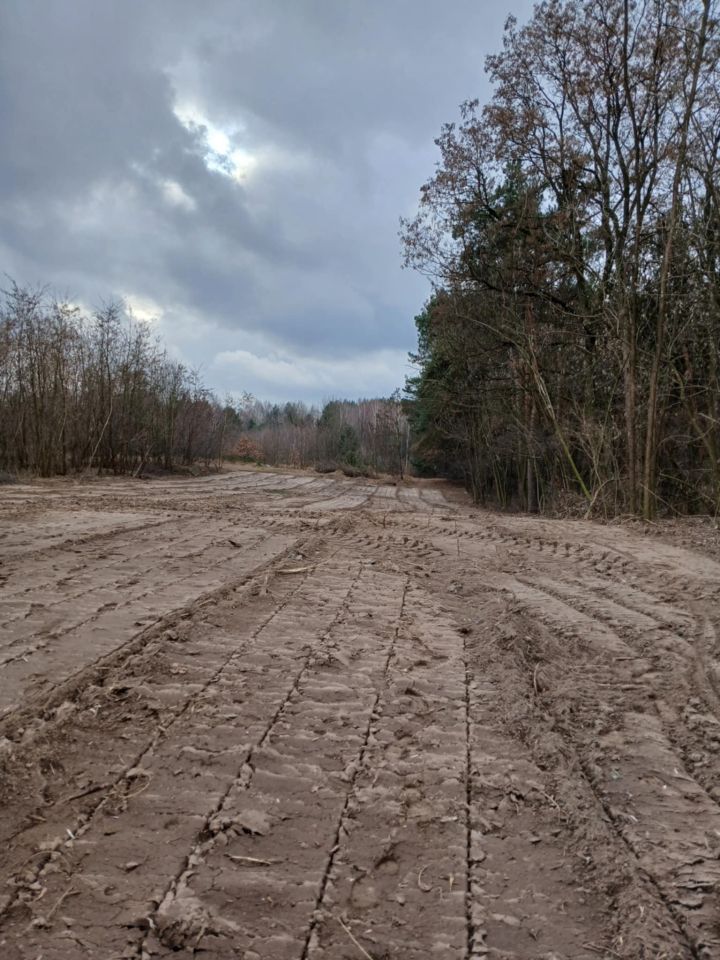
(279, 547)
(121, 553)
(589, 671)
(395, 877)
(34, 622)
(152, 581)
(111, 629)
(658, 809)
(288, 798)
(89, 538)
(185, 730)
(372, 722)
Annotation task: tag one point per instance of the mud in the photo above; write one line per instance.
(265, 715)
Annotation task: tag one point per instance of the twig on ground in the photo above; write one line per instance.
(253, 861)
(84, 793)
(69, 892)
(360, 947)
(426, 888)
(549, 798)
(597, 948)
(136, 793)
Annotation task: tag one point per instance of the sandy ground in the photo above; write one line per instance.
(262, 715)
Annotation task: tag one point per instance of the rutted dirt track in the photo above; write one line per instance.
(284, 717)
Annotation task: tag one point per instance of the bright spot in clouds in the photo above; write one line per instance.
(221, 153)
(174, 194)
(143, 308)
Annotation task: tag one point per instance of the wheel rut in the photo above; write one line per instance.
(285, 717)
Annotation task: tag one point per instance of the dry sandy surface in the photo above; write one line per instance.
(289, 717)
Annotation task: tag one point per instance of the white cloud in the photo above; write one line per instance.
(143, 308)
(175, 195)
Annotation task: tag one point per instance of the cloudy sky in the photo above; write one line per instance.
(235, 169)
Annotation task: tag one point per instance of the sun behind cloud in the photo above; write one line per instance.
(221, 152)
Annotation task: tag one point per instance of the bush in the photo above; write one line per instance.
(350, 470)
(247, 451)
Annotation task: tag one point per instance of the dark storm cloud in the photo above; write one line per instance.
(237, 168)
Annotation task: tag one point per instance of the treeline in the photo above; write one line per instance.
(572, 233)
(356, 436)
(100, 392)
(80, 392)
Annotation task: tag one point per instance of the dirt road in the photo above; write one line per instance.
(280, 717)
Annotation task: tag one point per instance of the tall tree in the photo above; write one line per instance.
(571, 202)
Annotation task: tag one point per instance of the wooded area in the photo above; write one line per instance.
(356, 436)
(572, 232)
(100, 392)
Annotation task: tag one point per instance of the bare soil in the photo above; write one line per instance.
(288, 717)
